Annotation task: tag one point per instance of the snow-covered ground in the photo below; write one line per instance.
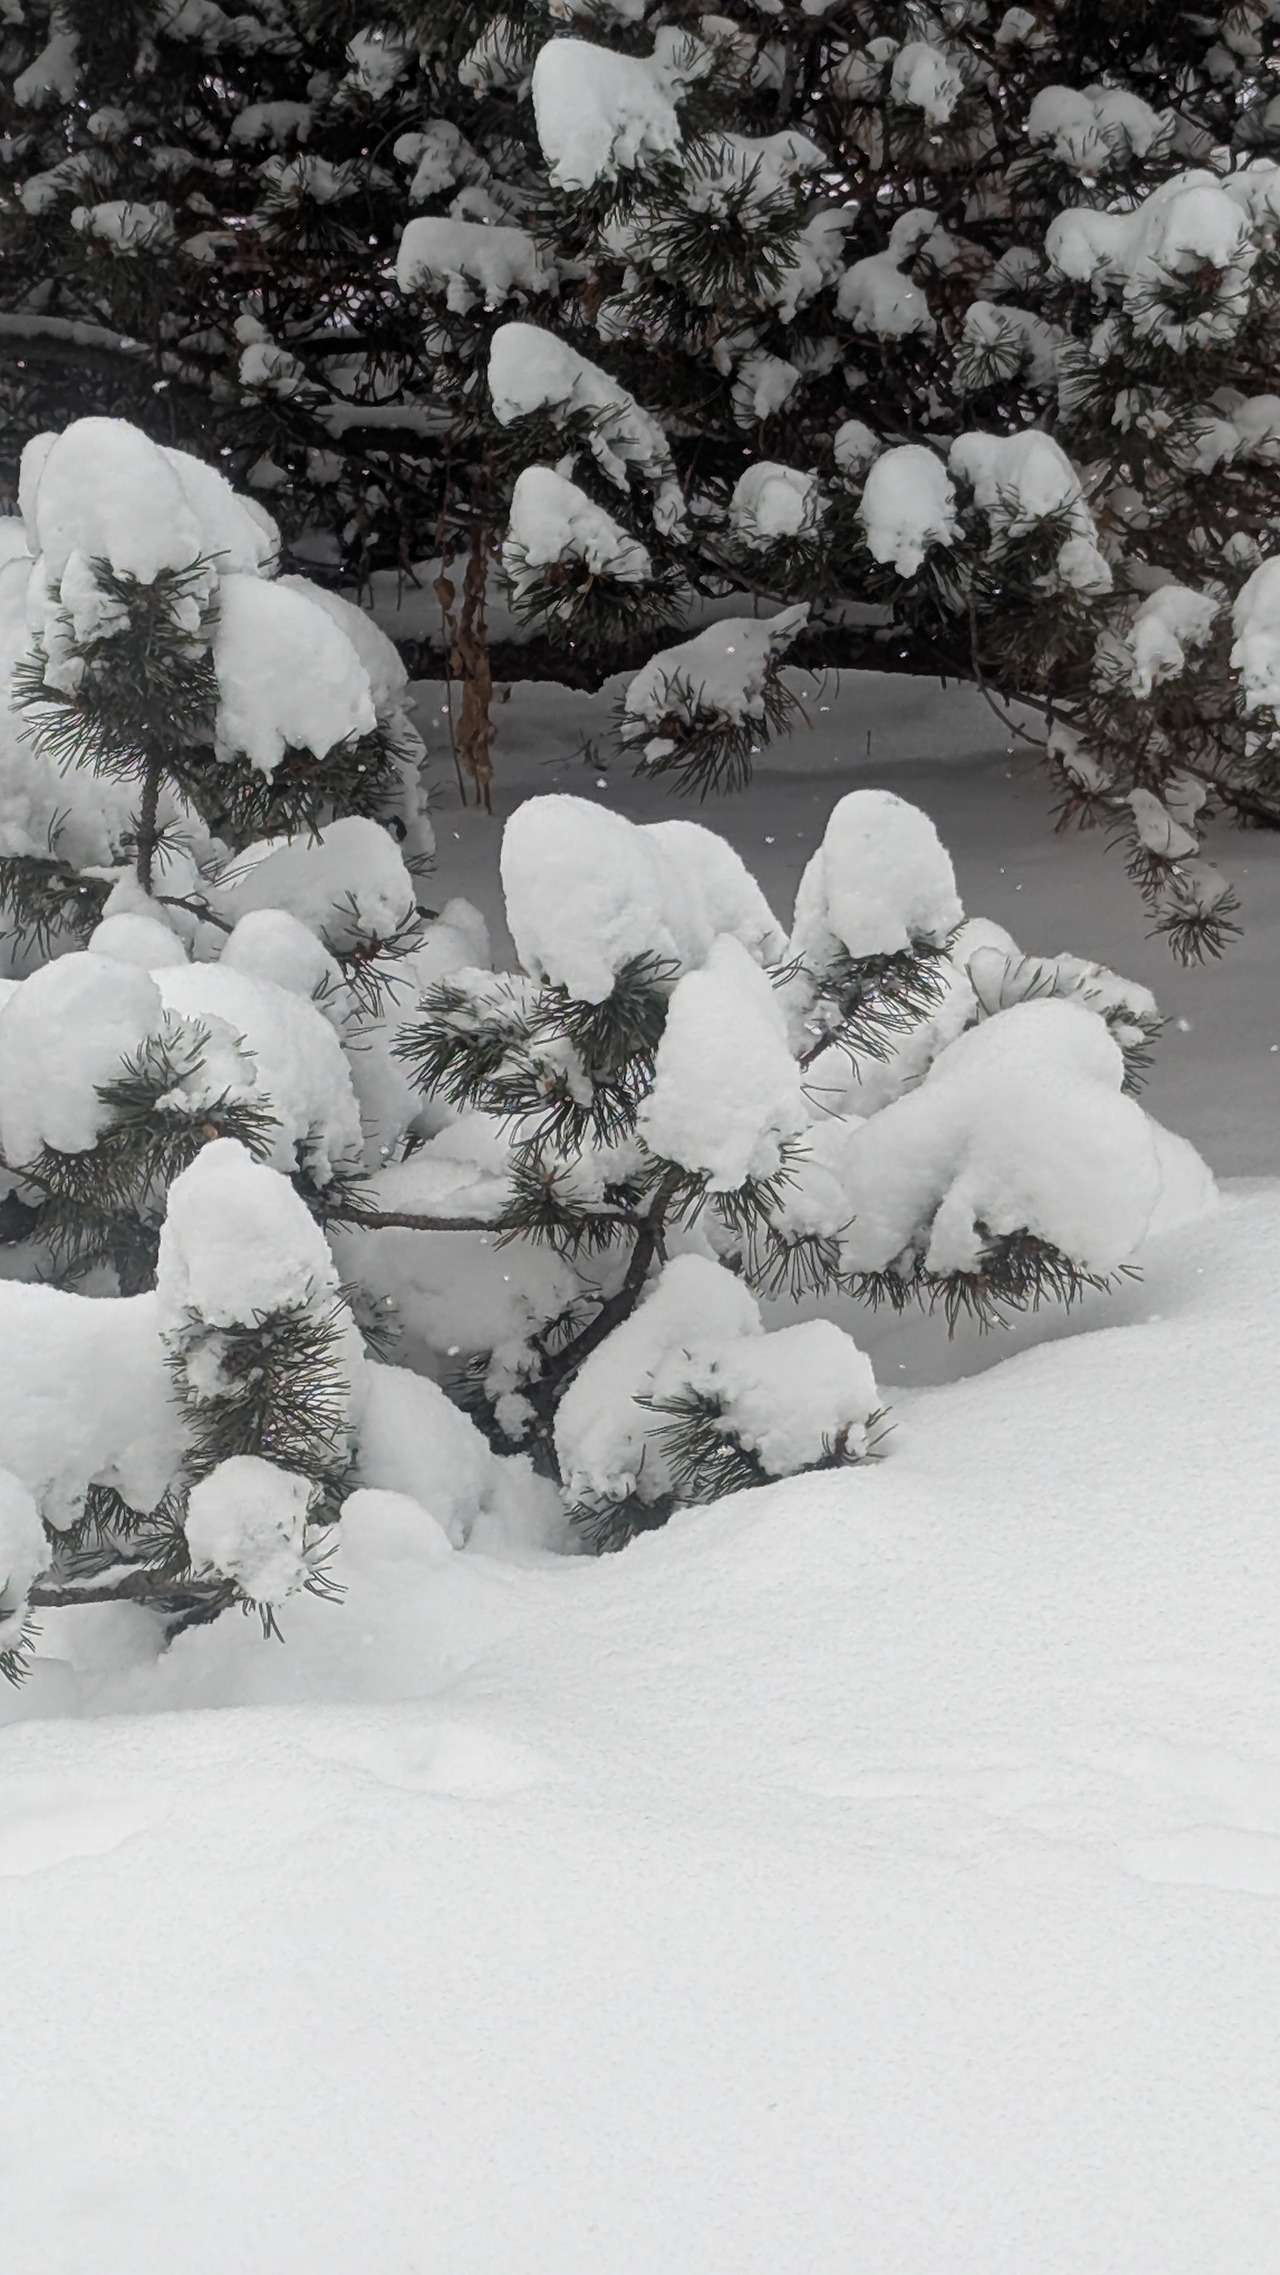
(877, 1872)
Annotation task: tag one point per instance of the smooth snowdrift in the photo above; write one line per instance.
(876, 1871)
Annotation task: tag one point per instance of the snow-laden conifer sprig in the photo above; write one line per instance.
(271, 1386)
(47, 899)
(134, 692)
(107, 1204)
(865, 1004)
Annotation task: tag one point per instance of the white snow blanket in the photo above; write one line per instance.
(884, 1862)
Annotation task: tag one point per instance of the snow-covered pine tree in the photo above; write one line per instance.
(200, 234)
(673, 1112)
(172, 705)
(1044, 300)
(271, 1113)
(654, 302)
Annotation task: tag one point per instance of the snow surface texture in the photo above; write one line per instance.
(62, 1033)
(347, 881)
(288, 676)
(1021, 479)
(1020, 1122)
(24, 1551)
(877, 296)
(889, 1860)
(771, 501)
(1094, 129)
(237, 1244)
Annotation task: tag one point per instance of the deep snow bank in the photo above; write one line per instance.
(876, 1871)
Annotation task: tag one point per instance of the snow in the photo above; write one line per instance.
(440, 156)
(817, 258)
(1255, 617)
(906, 1822)
(380, 1526)
(378, 57)
(721, 670)
(1094, 130)
(388, 679)
(1190, 222)
(551, 519)
(793, 1395)
(127, 225)
(599, 112)
(134, 938)
(854, 447)
(907, 505)
(881, 881)
(1021, 479)
(909, 1822)
(64, 1031)
(266, 1044)
(532, 370)
(270, 944)
(236, 532)
(23, 1550)
(247, 1520)
(288, 676)
(1169, 625)
(1020, 1124)
(587, 892)
(726, 1094)
(474, 263)
(602, 1433)
(785, 1395)
(1004, 340)
(101, 489)
(766, 163)
(237, 1244)
(1017, 28)
(770, 501)
(346, 883)
(415, 1443)
(715, 891)
(54, 72)
(497, 59)
(84, 1399)
(875, 294)
(923, 79)
(1156, 828)
(458, 936)
(762, 384)
(309, 176)
(271, 122)
(1256, 419)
